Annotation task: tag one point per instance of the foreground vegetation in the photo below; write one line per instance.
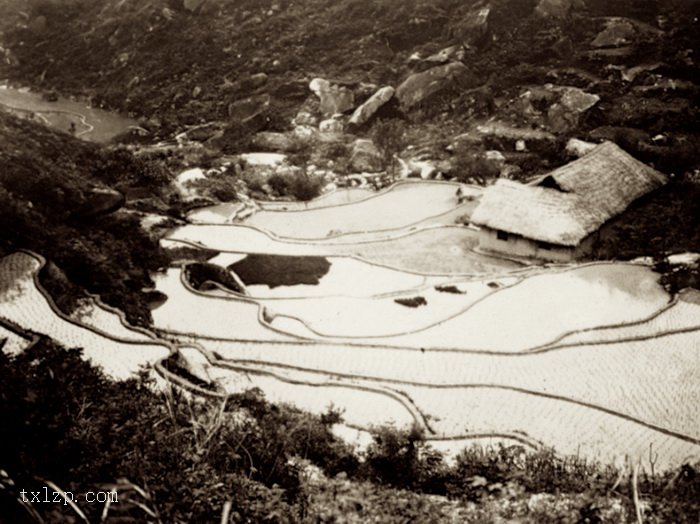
(175, 459)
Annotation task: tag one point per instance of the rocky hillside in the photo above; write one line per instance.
(586, 68)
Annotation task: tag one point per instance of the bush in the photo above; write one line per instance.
(390, 138)
(220, 186)
(402, 459)
(299, 185)
(63, 421)
(470, 165)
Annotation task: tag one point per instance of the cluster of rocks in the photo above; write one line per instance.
(522, 129)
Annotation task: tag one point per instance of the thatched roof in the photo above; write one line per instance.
(571, 202)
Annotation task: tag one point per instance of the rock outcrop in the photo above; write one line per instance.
(557, 8)
(248, 108)
(367, 110)
(331, 126)
(420, 86)
(270, 141)
(332, 98)
(365, 157)
(565, 115)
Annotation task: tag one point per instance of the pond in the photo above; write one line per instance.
(95, 125)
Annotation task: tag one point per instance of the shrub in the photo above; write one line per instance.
(390, 138)
(402, 459)
(220, 186)
(469, 165)
(63, 421)
(299, 185)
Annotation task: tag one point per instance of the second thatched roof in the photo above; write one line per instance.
(571, 202)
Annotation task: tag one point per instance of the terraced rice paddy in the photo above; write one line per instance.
(219, 214)
(401, 206)
(24, 304)
(11, 342)
(367, 280)
(109, 321)
(187, 311)
(446, 250)
(334, 198)
(594, 360)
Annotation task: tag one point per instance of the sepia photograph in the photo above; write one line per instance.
(349, 261)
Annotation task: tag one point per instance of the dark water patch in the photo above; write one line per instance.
(202, 276)
(281, 270)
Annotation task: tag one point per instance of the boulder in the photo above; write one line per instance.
(565, 115)
(304, 118)
(474, 26)
(618, 32)
(248, 108)
(195, 364)
(99, 202)
(257, 80)
(305, 134)
(509, 137)
(331, 126)
(579, 148)
(420, 86)
(319, 85)
(367, 110)
(270, 141)
(621, 32)
(365, 157)
(557, 8)
(332, 98)
(449, 54)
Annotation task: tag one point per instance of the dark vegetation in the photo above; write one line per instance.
(186, 253)
(450, 289)
(665, 222)
(201, 275)
(662, 224)
(413, 302)
(280, 270)
(300, 185)
(46, 176)
(177, 460)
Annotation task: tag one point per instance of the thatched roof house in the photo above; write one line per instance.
(563, 208)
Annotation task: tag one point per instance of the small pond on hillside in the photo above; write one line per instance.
(95, 125)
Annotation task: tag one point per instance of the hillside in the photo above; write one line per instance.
(176, 63)
(281, 211)
(58, 197)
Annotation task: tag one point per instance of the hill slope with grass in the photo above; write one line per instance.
(58, 198)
